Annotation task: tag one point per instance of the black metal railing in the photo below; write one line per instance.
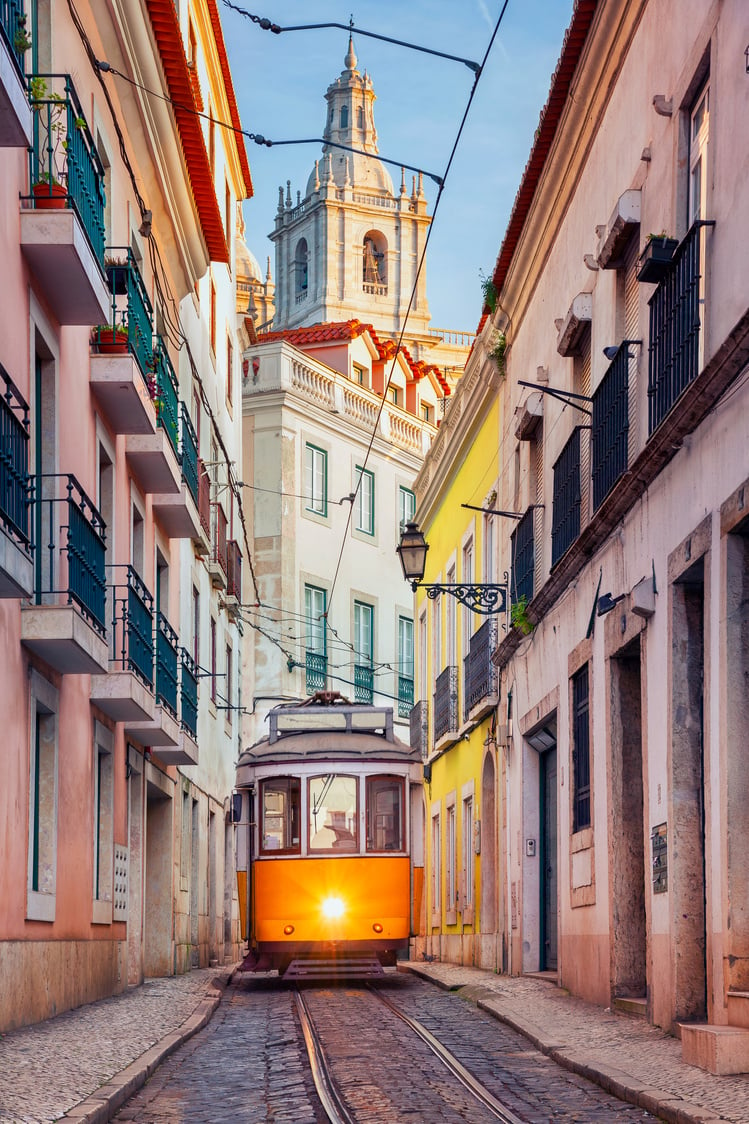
(316, 667)
(480, 674)
(132, 631)
(130, 325)
(405, 696)
(66, 170)
(167, 394)
(446, 703)
(15, 488)
(565, 520)
(523, 559)
(167, 658)
(218, 537)
(189, 692)
(674, 352)
(234, 569)
(70, 556)
(15, 32)
(610, 432)
(419, 728)
(189, 450)
(363, 683)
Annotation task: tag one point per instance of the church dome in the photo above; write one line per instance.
(248, 267)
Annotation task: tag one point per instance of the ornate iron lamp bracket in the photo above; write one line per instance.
(486, 600)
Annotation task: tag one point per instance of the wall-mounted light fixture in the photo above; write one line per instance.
(746, 56)
(606, 603)
(486, 600)
(612, 351)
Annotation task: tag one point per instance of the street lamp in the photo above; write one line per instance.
(486, 600)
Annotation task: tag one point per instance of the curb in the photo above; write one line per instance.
(101, 1106)
(659, 1103)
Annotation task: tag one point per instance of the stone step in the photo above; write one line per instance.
(718, 1049)
(631, 1005)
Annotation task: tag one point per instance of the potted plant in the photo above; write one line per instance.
(110, 340)
(498, 349)
(488, 292)
(51, 144)
(21, 40)
(656, 257)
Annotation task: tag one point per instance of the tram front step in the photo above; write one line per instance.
(359, 967)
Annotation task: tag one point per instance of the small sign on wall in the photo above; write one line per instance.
(659, 840)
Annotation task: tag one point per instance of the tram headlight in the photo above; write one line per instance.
(377, 927)
(332, 908)
(288, 930)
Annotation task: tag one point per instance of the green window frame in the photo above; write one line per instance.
(316, 479)
(365, 501)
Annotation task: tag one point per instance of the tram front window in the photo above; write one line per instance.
(332, 813)
(384, 814)
(281, 818)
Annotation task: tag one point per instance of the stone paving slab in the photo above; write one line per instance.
(83, 1065)
(626, 1056)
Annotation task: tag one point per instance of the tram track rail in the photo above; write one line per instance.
(333, 1102)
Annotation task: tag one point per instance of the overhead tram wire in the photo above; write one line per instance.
(266, 25)
(419, 268)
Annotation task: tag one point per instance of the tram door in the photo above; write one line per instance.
(549, 860)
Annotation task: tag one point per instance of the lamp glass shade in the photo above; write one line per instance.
(412, 551)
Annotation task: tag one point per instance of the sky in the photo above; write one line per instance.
(280, 83)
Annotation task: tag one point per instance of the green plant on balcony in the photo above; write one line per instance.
(488, 292)
(109, 339)
(519, 616)
(21, 40)
(52, 110)
(498, 349)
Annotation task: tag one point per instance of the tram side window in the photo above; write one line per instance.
(385, 814)
(281, 815)
(333, 813)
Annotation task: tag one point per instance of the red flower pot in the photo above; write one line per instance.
(110, 341)
(49, 196)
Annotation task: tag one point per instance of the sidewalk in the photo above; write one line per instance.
(626, 1056)
(84, 1064)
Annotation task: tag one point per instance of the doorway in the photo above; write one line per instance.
(548, 861)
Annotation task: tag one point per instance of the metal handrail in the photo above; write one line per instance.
(166, 664)
(15, 486)
(189, 452)
(132, 627)
(167, 394)
(188, 692)
(14, 31)
(131, 314)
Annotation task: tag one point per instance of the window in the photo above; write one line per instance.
(427, 412)
(316, 479)
(229, 371)
(365, 501)
(581, 817)
(699, 127)
(228, 691)
(405, 666)
(468, 854)
(315, 605)
(393, 395)
(333, 813)
(42, 861)
(280, 804)
(363, 651)
(213, 660)
(195, 625)
(384, 811)
(344, 116)
(374, 263)
(360, 117)
(360, 375)
(450, 604)
(103, 824)
(436, 869)
(406, 508)
(301, 275)
(451, 892)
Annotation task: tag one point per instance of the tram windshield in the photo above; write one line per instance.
(332, 813)
(281, 814)
(384, 814)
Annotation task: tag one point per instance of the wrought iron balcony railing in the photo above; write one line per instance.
(167, 658)
(480, 674)
(15, 488)
(610, 432)
(523, 558)
(204, 499)
(316, 667)
(674, 357)
(130, 326)
(65, 167)
(234, 570)
(167, 394)
(14, 30)
(419, 728)
(405, 696)
(565, 520)
(446, 703)
(70, 547)
(218, 538)
(132, 631)
(363, 683)
(189, 449)
(189, 692)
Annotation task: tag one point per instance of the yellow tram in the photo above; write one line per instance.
(323, 810)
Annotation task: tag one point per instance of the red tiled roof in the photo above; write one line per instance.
(572, 48)
(166, 29)
(230, 96)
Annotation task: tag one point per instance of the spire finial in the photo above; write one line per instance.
(350, 60)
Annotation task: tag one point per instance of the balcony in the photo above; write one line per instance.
(363, 684)
(62, 220)
(178, 514)
(523, 559)
(126, 693)
(565, 522)
(481, 677)
(446, 705)
(675, 353)
(155, 459)
(316, 668)
(66, 624)
(189, 692)
(15, 111)
(16, 555)
(121, 367)
(405, 696)
(419, 728)
(218, 564)
(163, 729)
(234, 578)
(610, 432)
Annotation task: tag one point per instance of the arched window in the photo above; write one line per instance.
(344, 116)
(374, 263)
(360, 117)
(300, 269)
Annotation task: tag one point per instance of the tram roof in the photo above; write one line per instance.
(343, 731)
